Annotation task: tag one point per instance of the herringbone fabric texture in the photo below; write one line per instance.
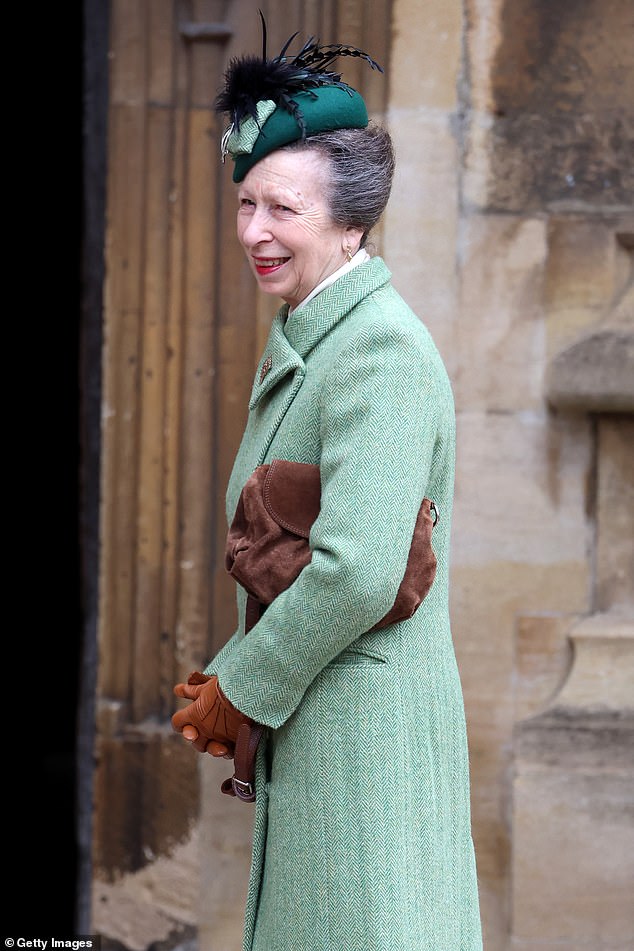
(362, 837)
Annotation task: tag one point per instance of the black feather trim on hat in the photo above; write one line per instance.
(250, 79)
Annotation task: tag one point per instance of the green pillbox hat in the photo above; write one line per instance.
(323, 109)
(273, 102)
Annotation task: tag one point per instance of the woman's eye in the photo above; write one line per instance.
(246, 203)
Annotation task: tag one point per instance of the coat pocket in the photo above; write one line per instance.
(358, 657)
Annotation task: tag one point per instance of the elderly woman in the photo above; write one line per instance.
(362, 837)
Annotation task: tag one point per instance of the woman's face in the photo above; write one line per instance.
(285, 227)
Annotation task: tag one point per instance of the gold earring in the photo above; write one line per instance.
(348, 251)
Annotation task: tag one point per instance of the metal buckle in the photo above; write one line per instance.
(242, 789)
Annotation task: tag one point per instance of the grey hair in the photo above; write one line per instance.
(361, 173)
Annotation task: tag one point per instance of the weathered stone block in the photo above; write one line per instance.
(425, 73)
(420, 229)
(558, 94)
(573, 832)
(501, 331)
(595, 374)
(520, 498)
(587, 273)
(615, 514)
(543, 658)
(602, 676)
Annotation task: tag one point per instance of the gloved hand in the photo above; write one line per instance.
(211, 722)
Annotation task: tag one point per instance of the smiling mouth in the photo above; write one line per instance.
(267, 265)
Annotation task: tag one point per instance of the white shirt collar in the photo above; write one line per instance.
(359, 258)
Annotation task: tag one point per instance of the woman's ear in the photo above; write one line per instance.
(352, 239)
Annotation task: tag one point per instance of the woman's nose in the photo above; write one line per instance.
(256, 229)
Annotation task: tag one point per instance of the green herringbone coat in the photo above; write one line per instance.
(362, 837)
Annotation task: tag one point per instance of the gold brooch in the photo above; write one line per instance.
(266, 366)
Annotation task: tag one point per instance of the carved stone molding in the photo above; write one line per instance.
(595, 374)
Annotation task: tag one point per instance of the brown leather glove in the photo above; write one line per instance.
(211, 713)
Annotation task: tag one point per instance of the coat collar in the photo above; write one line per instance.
(310, 323)
(292, 338)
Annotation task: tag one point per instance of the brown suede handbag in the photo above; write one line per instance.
(267, 547)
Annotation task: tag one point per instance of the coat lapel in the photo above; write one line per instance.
(278, 360)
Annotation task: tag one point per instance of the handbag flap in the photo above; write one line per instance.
(292, 495)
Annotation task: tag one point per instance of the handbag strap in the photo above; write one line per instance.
(242, 783)
(253, 612)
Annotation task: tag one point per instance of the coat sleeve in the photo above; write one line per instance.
(379, 418)
(223, 654)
